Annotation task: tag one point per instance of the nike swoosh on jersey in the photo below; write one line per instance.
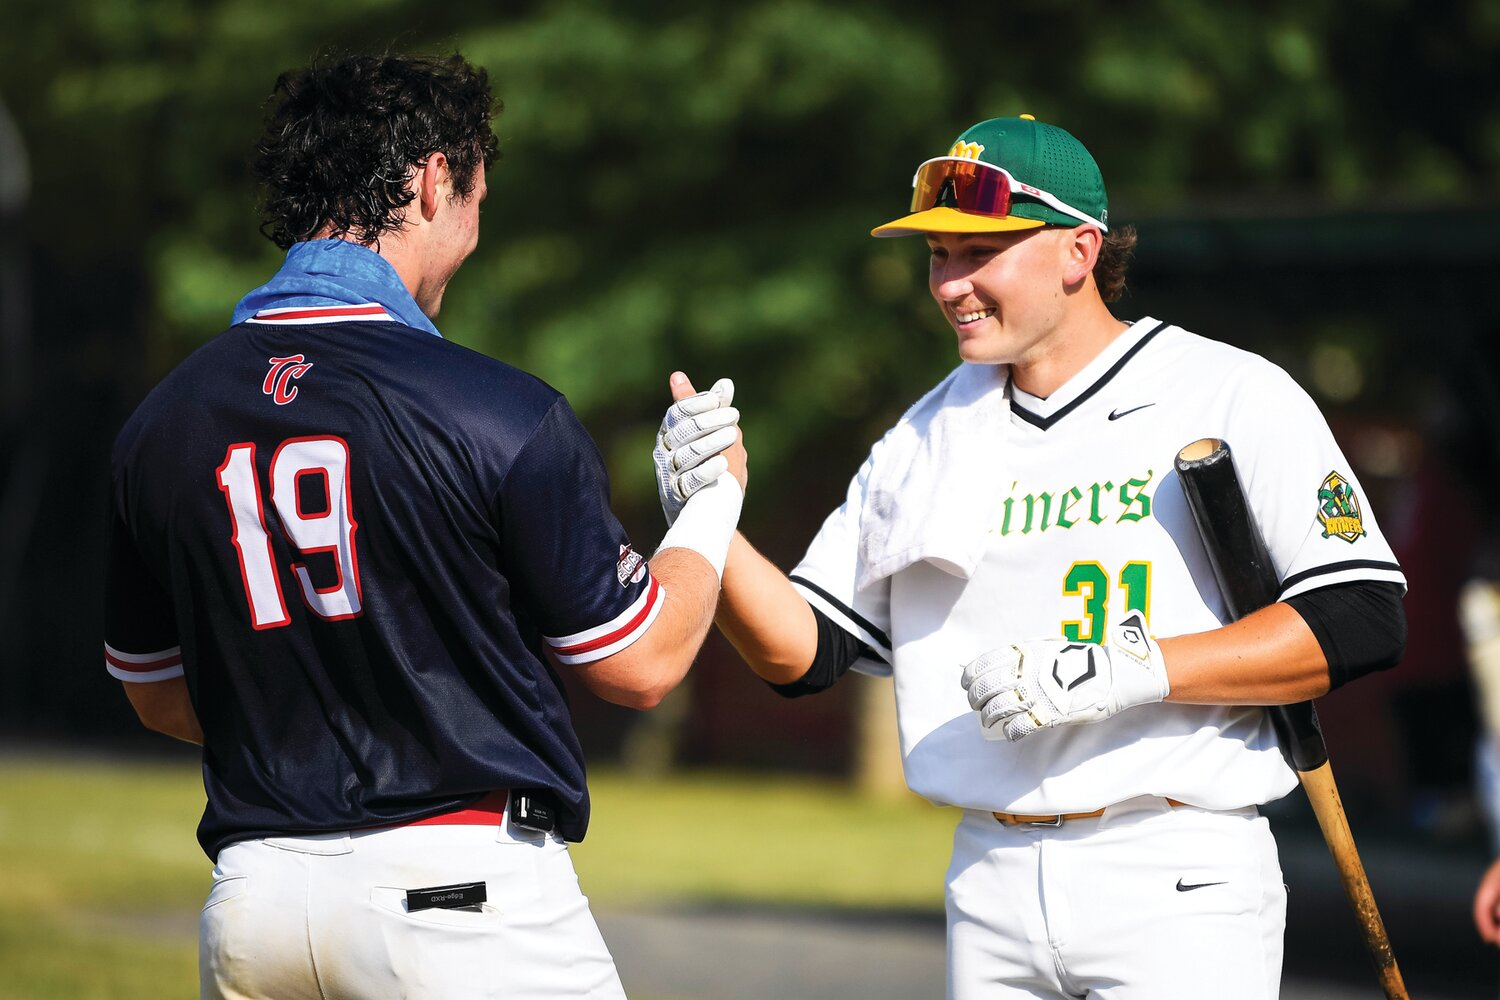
(1117, 414)
(1190, 886)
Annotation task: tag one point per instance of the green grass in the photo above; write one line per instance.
(761, 839)
(101, 877)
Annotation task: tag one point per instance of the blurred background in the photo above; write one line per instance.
(690, 185)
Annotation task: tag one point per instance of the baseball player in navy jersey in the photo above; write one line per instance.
(1016, 552)
(348, 558)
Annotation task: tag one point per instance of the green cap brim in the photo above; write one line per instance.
(951, 220)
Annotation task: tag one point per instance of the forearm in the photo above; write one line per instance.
(1270, 657)
(1487, 905)
(166, 708)
(647, 670)
(764, 617)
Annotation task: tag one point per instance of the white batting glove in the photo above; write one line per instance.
(693, 434)
(1044, 683)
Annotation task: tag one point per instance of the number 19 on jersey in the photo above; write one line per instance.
(310, 495)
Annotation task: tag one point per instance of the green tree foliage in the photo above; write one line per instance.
(691, 185)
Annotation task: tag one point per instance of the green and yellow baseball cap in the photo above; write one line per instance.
(1005, 174)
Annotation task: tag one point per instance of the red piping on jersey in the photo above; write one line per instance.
(320, 313)
(617, 634)
(141, 668)
(487, 811)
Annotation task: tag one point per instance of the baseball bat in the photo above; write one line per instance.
(1248, 582)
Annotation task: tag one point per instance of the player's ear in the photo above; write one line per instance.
(431, 181)
(1082, 251)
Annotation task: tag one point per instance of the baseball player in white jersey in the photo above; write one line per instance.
(1017, 552)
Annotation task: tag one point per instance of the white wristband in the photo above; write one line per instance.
(707, 521)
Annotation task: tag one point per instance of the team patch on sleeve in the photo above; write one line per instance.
(1338, 509)
(631, 567)
(143, 667)
(614, 635)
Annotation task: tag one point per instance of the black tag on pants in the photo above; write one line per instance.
(446, 897)
(531, 811)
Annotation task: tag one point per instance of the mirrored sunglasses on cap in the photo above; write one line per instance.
(979, 188)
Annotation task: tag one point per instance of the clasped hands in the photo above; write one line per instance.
(1021, 687)
(698, 436)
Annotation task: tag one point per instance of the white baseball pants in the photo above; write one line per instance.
(324, 918)
(1147, 902)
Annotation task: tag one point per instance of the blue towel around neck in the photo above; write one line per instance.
(335, 273)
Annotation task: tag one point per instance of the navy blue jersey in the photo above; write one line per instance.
(357, 541)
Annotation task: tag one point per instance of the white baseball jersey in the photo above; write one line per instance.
(1093, 523)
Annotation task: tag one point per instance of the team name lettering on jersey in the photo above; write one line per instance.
(278, 379)
(1096, 503)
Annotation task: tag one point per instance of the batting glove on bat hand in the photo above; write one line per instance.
(1044, 683)
(693, 433)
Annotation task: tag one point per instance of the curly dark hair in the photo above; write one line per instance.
(342, 138)
(1114, 261)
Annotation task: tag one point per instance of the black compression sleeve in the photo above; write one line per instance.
(1361, 626)
(837, 650)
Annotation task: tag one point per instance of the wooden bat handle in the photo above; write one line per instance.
(1323, 794)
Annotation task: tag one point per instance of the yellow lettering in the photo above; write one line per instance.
(1344, 526)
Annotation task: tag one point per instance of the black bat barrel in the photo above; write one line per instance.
(1242, 568)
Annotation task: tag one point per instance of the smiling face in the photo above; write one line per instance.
(1005, 294)
(1027, 299)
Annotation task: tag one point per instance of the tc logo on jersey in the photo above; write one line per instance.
(279, 378)
(631, 568)
(1338, 509)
